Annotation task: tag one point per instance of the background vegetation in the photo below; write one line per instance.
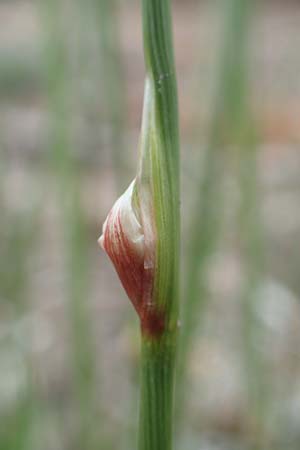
(71, 89)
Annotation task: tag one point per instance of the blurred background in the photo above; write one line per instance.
(71, 92)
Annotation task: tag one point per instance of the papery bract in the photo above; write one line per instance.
(133, 254)
(123, 241)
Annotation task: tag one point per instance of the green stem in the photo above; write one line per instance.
(160, 171)
(251, 235)
(160, 152)
(113, 87)
(226, 126)
(67, 175)
(156, 407)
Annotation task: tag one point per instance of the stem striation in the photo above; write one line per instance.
(157, 371)
(159, 174)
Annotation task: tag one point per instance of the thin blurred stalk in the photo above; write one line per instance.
(17, 236)
(243, 135)
(229, 121)
(113, 85)
(251, 235)
(67, 173)
(207, 211)
(17, 233)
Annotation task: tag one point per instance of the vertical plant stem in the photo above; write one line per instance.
(66, 172)
(243, 134)
(207, 212)
(252, 252)
(17, 237)
(162, 158)
(156, 397)
(230, 125)
(113, 86)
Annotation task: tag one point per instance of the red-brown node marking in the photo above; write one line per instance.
(152, 322)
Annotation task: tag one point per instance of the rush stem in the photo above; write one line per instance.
(159, 353)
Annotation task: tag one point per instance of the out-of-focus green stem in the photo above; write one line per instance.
(67, 174)
(160, 169)
(113, 86)
(206, 220)
(252, 253)
(243, 135)
(17, 233)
